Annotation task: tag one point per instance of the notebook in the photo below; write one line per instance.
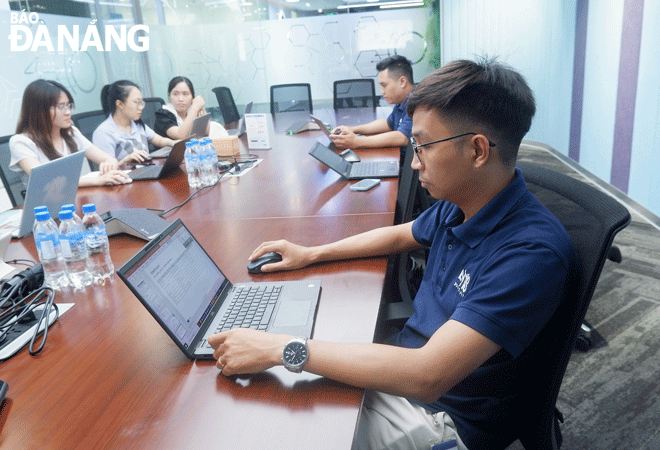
(240, 131)
(157, 171)
(190, 297)
(356, 170)
(198, 129)
(52, 184)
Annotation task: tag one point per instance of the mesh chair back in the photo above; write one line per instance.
(11, 180)
(87, 122)
(151, 105)
(291, 97)
(356, 93)
(592, 220)
(227, 106)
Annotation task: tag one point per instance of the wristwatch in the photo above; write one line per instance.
(295, 354)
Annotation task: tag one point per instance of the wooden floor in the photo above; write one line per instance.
(610, 396)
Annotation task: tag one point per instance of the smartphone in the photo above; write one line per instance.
(365, 185)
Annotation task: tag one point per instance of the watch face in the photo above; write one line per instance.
(295, 353)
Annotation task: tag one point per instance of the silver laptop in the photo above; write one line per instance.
(356, 170)
(190, 297)
(52, 184)
(240, 131)
(157, 171)
(199, 126)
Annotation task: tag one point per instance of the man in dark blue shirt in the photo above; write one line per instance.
(499, 265)
(395, 78)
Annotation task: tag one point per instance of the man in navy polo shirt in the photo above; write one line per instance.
(458, 374)
(395, 77)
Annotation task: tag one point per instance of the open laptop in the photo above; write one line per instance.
(199, 126)
(356, 170)
(240, 131)
(157, 171)
(52, 184)
(190, 297)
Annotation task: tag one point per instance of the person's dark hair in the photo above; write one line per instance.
(35, 120)
(119, 90)
(483, 96)
(176, 80)
(397, 66)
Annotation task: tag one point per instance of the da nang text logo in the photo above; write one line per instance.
(22, 38)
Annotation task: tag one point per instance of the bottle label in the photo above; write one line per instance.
(46, 245)
(96, 236)
(66, 247)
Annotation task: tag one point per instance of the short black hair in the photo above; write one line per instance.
(397, 66)
(486, 95)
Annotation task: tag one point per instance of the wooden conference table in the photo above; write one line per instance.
(109, 376)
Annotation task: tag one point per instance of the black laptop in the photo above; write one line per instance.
(356, 170)
(157, 171)
(190, 297)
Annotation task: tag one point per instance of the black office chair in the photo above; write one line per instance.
(227, 106)
(355, 93)
(592, 219)
(151, 105)
(403, 268)
(291, 97)
(10, 180)
(87, 122)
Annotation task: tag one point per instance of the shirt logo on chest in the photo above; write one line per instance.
(462, 283)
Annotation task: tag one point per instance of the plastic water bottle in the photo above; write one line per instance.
(213, 159)
(74, 250)
(192, 165)
(76, 217)
(206, 163)
(98, 246)
(46, 238)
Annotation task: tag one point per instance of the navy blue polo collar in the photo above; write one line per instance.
(475, 230)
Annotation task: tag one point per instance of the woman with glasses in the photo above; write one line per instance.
(123, 134)
(45, 132)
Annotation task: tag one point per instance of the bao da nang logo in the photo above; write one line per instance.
(22, 37)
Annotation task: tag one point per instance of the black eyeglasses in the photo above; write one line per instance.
(416, 146)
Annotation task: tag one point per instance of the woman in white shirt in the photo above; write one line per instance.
(123, 133)
(45, 132)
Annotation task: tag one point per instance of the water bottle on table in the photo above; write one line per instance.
(98, 246)
(46, 238)
(74, 250)
(192, 165)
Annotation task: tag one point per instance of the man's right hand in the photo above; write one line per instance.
(293, 256)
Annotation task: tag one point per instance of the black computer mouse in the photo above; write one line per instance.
(267, 258)
(350, 156)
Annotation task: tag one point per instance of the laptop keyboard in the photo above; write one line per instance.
(364, 169)
(251, 307)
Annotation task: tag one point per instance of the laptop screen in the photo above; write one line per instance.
(177, 280)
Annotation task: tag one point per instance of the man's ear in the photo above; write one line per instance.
(482, 152)
(403, 81)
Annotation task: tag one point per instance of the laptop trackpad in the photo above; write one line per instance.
(292, 314)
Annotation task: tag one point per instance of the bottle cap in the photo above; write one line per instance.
(66, 214)
(189, 144)
(194, 141)
(89, 208)
(42, 216)
(69, 207)
(38, 209)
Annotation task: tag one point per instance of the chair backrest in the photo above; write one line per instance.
(87, 122)
(291, 97)
(355, 93)
(151, 105)
(227, 106)
(592, 220)
(11, 180)
(408, 181)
